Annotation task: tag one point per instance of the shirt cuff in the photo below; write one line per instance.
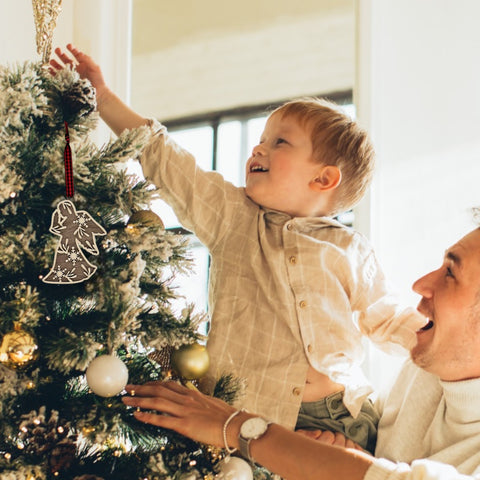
(382, 469)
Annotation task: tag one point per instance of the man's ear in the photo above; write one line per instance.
(327, 178)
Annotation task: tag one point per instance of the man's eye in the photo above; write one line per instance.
(449, 273)
(281, 140)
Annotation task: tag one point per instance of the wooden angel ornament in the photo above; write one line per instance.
(77, 230)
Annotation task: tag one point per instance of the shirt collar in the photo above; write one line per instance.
(280, 218)
(462, 399)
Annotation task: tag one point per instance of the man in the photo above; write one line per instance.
(430, 421)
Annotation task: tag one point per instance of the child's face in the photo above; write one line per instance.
(281, 167)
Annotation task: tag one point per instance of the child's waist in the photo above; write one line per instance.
(319, 386)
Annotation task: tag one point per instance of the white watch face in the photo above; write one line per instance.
(253, 428)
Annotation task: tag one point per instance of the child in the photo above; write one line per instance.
(285, 277)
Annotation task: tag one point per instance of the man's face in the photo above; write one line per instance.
(449, 345)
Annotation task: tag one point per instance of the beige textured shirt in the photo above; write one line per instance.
(282, 292)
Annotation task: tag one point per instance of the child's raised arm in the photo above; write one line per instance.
(116, 114)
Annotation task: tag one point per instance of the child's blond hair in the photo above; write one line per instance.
(336, 140)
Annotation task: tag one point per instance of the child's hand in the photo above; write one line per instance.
(82, 63)
(330, 438)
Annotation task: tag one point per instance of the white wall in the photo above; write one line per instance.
(418, 93)
(101, 28)
(17, 30)
(197, 60)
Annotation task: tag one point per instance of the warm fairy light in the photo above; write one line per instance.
(20, 445)
(24, 429)
(13, 194)
(36, 421)
(132, 229)
(60, 429)
(8, 456)
(117, 453)
(192, 463)
(30, 385)
(56, 474)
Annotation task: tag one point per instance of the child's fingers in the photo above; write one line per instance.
(54, 67)
(63, 57)
(75, 52)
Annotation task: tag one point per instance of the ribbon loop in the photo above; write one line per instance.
(67, 159)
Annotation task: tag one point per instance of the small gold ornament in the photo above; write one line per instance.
(190, 362)
(45, 13)
(19, 349)
(144, 218)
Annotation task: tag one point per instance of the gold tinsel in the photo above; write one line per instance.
(45, 13)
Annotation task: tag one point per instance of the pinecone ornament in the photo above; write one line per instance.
(62, 456)
(49, 438)
(79, 100)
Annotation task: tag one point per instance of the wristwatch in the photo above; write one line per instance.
(251, 429)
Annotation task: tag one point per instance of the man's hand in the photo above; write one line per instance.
(189, 412)
(330, 438)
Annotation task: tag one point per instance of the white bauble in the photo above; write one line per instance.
(107, 375)
(235, 468)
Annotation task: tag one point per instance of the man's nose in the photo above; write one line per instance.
(424, 286)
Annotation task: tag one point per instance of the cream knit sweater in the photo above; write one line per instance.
(429, 429)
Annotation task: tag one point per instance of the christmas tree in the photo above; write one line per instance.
(86, 290)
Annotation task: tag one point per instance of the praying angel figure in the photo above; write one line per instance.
(76, 230)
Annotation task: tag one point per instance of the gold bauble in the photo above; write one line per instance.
(145, 218)
(19, 349)
(190, 362)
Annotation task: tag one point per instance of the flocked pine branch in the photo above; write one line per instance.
(53, 425)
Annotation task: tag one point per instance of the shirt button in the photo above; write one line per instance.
(303, 304)
(293, 260)
(297, 391)
(289, 226)
(310, 348)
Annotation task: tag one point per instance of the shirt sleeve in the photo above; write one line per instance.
(383, 469)
(381, 317)
(202, 200)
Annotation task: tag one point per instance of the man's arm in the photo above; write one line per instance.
(116, 114)
(282, 451)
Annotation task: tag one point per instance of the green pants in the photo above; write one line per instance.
(331, 414)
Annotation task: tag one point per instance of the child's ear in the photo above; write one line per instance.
(328, 177)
